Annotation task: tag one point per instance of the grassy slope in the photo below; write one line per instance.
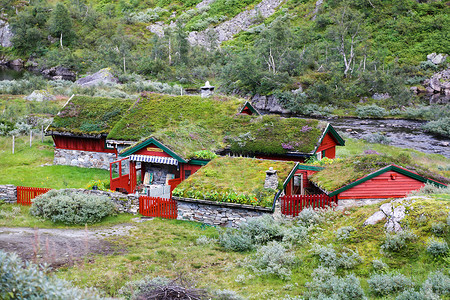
(28, 166)
(167, 248)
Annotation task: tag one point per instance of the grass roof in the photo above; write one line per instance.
(346, 171)
(187, 124)
(88, 115)
(234, 179)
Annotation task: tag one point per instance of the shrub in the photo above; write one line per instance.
(204, 240)
(429, 189)
(411, 294)
(226, 295)
(346, 259)
(378, 264)
(296, 234)
(441, 126)
(437, 248)
(377, 138)
(273, 259)
(20, 280)
(235, 240)
(326, 285)
(399, 241)
(372, 111)
(385, 284)
(262, 229)
(438, 283)
(70, 207)
(438, 228)
(343, 233)
(310, 216)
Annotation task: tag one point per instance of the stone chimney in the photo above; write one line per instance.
(207, 90)
(271, 179)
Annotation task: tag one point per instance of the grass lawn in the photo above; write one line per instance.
(168, 248)
(13, 215)
(32, 166)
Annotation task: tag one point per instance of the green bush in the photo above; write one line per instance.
(441, 126)
(438, 283)
(310, 216)
(377, 138)
(399, 241)
(437, 248)
(344, 233)
(69, 207)
(385, 284)
(20, 280)
(346, 258)
(235, 240)
(326, 285)
(273, 259)
(370, 111)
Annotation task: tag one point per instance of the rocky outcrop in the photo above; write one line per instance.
(40, 96)
(439, 86)
(268, 104)
(5, 34)
(104, 76)
(393, 212)
(226, 30)
(437, 59)
(59, 73)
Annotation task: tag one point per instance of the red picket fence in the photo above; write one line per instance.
(26, 194)
(292, 205)
(158, 207)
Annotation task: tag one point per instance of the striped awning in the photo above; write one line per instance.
(154, 159)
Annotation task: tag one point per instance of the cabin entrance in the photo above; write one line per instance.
(119, 173)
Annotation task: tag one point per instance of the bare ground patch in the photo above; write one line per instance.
(58, 247)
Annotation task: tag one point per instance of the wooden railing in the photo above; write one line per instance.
(26, 194)
(292, 205)
(158, 207)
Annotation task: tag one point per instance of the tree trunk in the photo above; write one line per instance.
(60, 41)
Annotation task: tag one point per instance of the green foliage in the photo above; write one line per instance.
(204, 154)
(344, 233)
(235, 241)
(70, 207)
(438, 282)
(61, 24)
(310, 216)
(373, 111)
(346, 258)
(325, 284)
(441, 126)
(399, 241)
(437, 248)
(19, 280)
(377, 138)
(273, 259)
(386, 284)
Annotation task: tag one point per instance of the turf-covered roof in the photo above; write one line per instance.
(234, 179)
(346, 171)
(84, 115)
(187, 124)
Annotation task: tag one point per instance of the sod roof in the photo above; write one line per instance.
(346, 171)
(89, 116)
(187, 124)
(234, 179)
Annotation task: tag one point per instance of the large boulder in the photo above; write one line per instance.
(59, 73)
(268, 104)
(40, 96)
(5, 34)
(104, 76)
(437, 59)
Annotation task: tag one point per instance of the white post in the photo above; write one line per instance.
(31, 137)
(13, 145)
(42, 133)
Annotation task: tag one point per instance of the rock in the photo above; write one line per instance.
(394, 212)
(5, 34)
(17, 62)
(375, 218)
(440, 82)
(437, 59)
(59, 73)
(268, 103)
(40, 96)
(104, 76)
(316, 9)
(382, 96)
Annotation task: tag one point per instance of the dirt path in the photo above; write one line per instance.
(59, 247)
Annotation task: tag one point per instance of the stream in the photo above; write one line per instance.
(403, 133)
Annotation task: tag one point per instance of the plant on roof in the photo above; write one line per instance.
(204, 154)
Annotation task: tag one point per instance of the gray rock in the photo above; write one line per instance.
(381, 96)
(268, 103)
(437, 59)
(375, 218)
(40, 96)
(5, 34)
(59, 73)
(17, 62)
(440, 82)
(104, 76)
(394, 214)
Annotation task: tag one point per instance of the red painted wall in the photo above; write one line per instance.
(284, 158)
(153, 151)
(82, 144)
(329, 145)
(383, 186)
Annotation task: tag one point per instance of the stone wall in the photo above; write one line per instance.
(217, 214)
(8, 193)
(346, 203)
(85, 159)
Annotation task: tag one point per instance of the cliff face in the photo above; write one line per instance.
(5, 34)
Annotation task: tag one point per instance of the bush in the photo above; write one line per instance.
(235, 240)
(438, 283)
(69, 207)
(411, 294)
(326, 285)
(429, 189)
(204, 240)
(310, 216)
(438, 228)
(399, 241)
(346, 259)
(377, 138)
(437, 248)
(385, 284)
(273, 259)
(343, 233)
(20, 280)
(378, 264)
(226, 295)
(441, 126)
(371, 111)
(296, 234)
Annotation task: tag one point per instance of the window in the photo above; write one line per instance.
(187, 173)
(319, 155)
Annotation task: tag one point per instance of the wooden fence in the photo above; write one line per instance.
(292, 205)
(158, 207)
(26, 194)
